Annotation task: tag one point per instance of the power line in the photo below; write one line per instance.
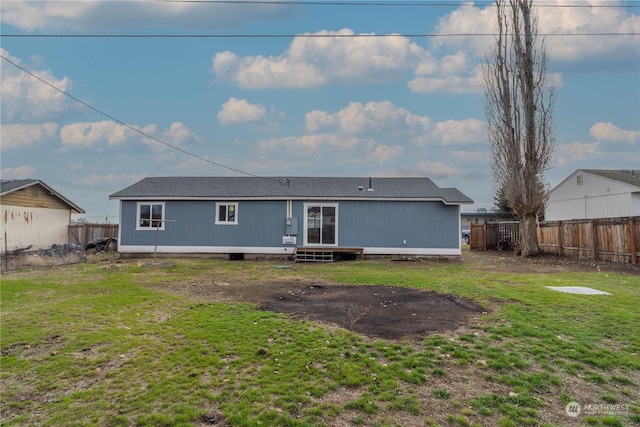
(302, 35)
(441, 3)
(124, 123)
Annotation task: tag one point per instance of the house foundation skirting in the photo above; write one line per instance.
(284, 251)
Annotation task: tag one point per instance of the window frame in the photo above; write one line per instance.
(321, 205)
(218, 221)
(140, 227)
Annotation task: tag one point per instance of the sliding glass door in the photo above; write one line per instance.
(321, 224)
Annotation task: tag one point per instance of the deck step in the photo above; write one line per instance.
(313, 255)
(326, 254)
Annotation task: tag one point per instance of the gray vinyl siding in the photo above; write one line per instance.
(361, 223)
(387, 224)
(259, 224)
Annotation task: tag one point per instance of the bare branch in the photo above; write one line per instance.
(519, 111)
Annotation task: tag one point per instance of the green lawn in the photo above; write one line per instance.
(100, 344)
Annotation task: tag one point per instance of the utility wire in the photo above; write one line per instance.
(441, 3)
(124, 123)
(302, 35)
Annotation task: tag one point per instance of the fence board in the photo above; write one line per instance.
(608, 239)
(81, 234)
(500, 235)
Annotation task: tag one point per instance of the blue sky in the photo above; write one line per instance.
(314, 105)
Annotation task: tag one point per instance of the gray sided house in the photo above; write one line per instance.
(277, 216)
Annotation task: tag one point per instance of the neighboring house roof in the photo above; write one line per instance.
(10, 186)
(630, 177)
(182, 188)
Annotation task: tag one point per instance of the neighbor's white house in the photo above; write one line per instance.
(595, 193)
(33, 215)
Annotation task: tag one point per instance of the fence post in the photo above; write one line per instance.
(593, 246)
(632, 241)
(560, 239)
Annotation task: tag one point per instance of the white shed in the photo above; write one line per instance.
(595, 193)
(33, 214)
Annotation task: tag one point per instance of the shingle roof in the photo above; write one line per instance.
(626, 176)
(9, 186)
(289, 187)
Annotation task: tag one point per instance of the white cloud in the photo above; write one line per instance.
(552, 20)
(609, 132)
(178, 134)
(24, 99)
(436, 169)
(447, 84)
(317, 61)
(21, 172)
(319, 147)
(27, 135)
(460, 132)
(577, 152)
(314, 61)
(91, 133)
(358, 118)
(109, 15)
(468, 131)
(240, 111)
(475, 157)
(385, 153)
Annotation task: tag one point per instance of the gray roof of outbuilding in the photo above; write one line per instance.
(626, 176)
(182, 188)
(9, 186)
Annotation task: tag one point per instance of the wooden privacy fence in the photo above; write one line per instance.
(81, 234)
(499, 235)
(608, 239)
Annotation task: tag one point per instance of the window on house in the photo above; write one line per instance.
(150, 216)
(226, 213)
(579, 179)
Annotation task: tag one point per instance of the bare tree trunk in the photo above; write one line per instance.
(518, 107)
(529, 245)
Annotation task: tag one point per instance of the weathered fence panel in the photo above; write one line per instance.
(608, 239)
(499, 235)
(81, 234)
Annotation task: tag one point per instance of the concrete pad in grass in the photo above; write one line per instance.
(580, 290)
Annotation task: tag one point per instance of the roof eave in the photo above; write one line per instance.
(333, 198)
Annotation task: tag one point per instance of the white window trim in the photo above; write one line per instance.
(218, 204)
(304, 231)
(164, 213)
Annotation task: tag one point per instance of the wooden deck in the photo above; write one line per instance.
(324, 253)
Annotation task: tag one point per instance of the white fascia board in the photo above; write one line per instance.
(285, 198)
(284, 250)
(412, 251)
(206, 249)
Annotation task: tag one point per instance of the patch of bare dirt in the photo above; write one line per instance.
(377, 311)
